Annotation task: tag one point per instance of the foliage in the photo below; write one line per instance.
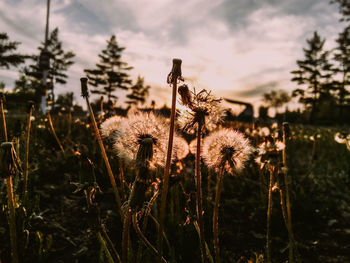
(8, 57)
(139, 92)
(111, 72)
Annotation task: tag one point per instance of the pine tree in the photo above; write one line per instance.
(60, 61)
(139, 92)
(111, 72)
(344, 9)
(8, 57)
(342, 56)
(314, 72)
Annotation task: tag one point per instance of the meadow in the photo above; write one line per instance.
(282, 197)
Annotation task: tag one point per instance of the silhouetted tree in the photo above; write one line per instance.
(139, 92)
(344, 9)
(8, 57)
(276, 99)
(315, 73)
(342, 56)
(60, 61)
(111, 73)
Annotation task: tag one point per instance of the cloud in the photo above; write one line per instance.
(233, 47)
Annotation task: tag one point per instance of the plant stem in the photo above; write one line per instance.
(25, 183)
(143, 238)
(10, 198)
(216, 215)
(105, 248)
(167, 168)
(110, 243)
(104, 155)
(292, 245)
(199, 193)
(269, 211)
(53, 132)
(125, 238)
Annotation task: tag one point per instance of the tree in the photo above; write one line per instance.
(139, 92)
(276, 99)
(344, 9)
(7, 55)
(60, 61)
(111, 73)
(342, 56)
(315, 73)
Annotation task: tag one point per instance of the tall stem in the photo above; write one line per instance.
(216, 215)
(292, 245)
(125, 238)
(176, 71)
(199, 193)
(104, 155)
(25, 183)
(54, 132)
(10, 198)
(105, 248)
(269, 211)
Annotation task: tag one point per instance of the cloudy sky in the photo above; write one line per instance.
(238, 48)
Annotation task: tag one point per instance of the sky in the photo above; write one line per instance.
(239, 49)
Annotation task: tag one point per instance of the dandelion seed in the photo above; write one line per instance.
(226, 149)
(143, 130)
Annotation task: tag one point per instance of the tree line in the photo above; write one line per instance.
(110, 74)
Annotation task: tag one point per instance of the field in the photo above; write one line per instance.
(69, 212)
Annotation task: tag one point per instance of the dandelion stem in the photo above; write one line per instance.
(176, 73)
(104, 155)
(143, 238)
(269, 211)
(199, 193)
(292, 245)
(25, 183)
(110, 243)
(125, 238)
(216, 216)
(10, 198)
(105, 248)
(54, 132)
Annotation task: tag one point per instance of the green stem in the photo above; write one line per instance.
(105, 248)
(216, 216)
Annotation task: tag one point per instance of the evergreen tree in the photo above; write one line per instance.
(8, 57)
(139, 92)
(314, 72)
(344, 9)
(276, 99)
(111, 72)
(60, 61)
(342, 56)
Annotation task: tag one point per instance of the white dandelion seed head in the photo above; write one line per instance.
(204, 108)
(140, 125)
(226, 149)
(181, 148)
(193, 146)
(264, 131)
(111, 126)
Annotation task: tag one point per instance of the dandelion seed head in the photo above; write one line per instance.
(204, 109)
(143, 130)
(111, 126)
(181, 148)
(226, 149)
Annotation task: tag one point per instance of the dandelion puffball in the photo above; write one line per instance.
(226, 149)
(138, 128)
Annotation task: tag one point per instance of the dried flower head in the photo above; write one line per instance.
(226, 149)
(84, 87)
(186, 97)
(111, 127)
(175, 73)
(205, 110)
(269, 151)
(9, 161)
(143, 138)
